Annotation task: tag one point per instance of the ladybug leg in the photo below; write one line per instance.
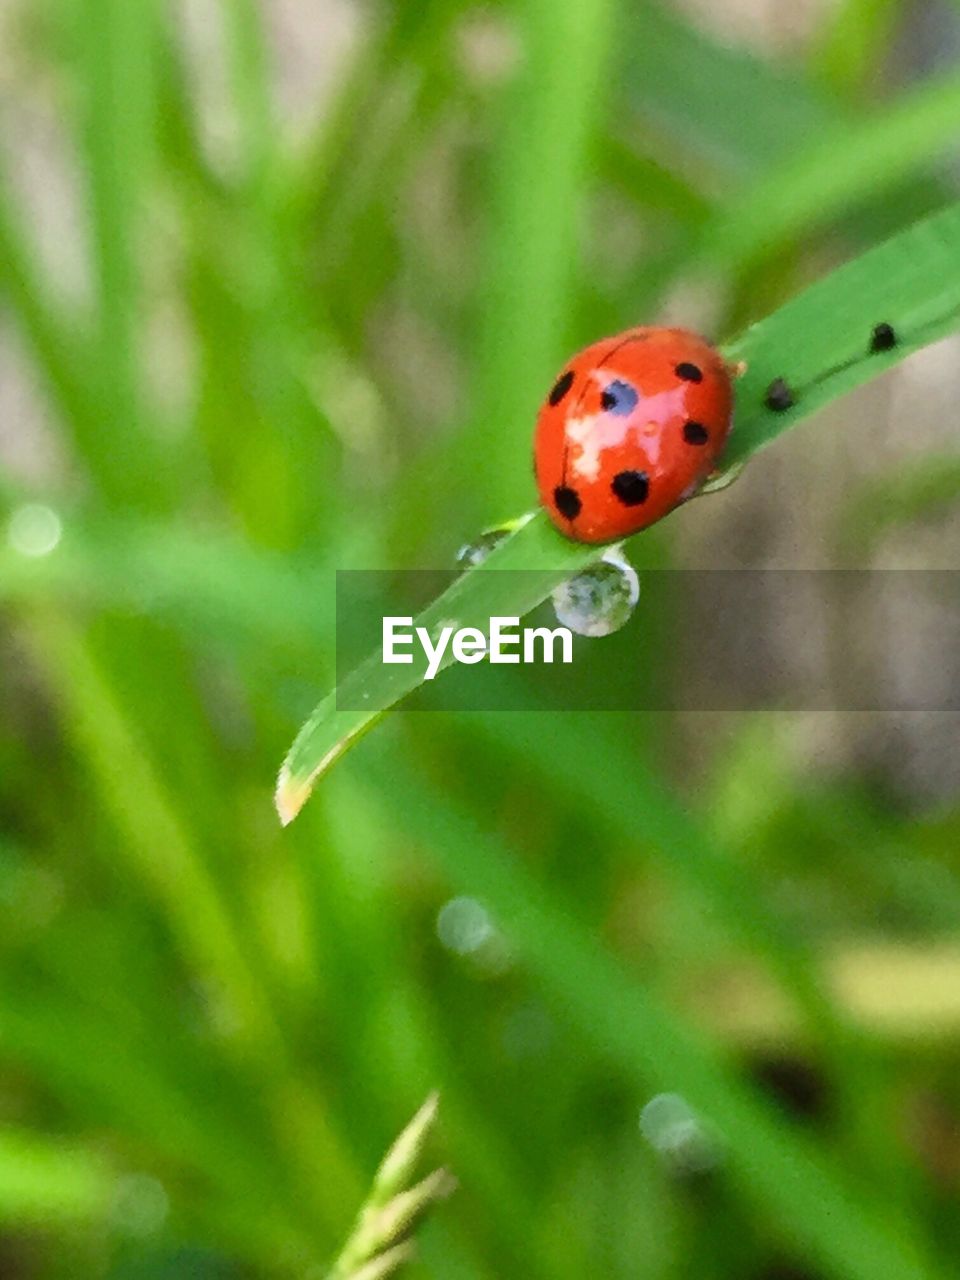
(736, 368)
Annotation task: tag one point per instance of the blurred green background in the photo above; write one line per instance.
(282, 286)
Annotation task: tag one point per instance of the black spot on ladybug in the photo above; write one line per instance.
(689, 372)
(567, 501)
(779, 397)
(883, 338)
(631, 487)
(619, 398)
(695, 433)
(561, 387)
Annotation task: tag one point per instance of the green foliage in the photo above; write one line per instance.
(299, 340)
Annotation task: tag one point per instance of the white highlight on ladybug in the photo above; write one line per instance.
(504, 644)
(593, 433)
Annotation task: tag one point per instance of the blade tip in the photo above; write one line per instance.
(290, 796)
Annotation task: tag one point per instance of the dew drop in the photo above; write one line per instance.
(473, 553)
(34, 529)
(463, 925)
(720, 480)
(676, 1133)
(141, 1205)
(601, 599)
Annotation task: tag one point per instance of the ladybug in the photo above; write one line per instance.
(631, 428)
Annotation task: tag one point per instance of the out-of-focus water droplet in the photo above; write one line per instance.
(34, 529)
(676, 1133)
(141, 1204)
(474, 553)
(601, 599)
(463, 926)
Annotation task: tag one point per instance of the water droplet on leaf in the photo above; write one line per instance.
(601, 599)
(474, 553)
(720, 480)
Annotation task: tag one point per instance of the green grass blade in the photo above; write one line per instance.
(819, 342)
(726, 104)
(116, 46)
(274, 307)
(847, 50)
(725, 112)
(845, 164)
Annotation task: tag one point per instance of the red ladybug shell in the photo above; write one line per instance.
(631, 428)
